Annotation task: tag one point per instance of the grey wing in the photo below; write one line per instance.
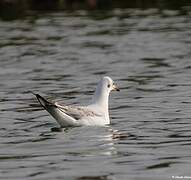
(77, 112)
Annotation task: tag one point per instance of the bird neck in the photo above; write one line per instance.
(101, 98)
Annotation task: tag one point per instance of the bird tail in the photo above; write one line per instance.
(62, 118)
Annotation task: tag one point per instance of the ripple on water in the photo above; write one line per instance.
(62, 55)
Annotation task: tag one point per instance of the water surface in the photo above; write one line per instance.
(62, 56)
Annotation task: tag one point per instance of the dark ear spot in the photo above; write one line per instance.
(108, 85)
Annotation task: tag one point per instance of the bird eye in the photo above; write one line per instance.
(108, 85)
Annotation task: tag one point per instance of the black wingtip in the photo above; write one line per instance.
(32, 92)
(41, 100)
(37, 95)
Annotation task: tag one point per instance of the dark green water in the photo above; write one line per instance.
(63, 55)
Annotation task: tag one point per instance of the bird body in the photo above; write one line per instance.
(96, 113)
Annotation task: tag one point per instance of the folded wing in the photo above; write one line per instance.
(77, 112)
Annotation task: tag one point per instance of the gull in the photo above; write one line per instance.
(94, 114)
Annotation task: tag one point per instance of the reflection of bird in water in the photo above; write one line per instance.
(99, 140)
(117, 135)
(114, 134)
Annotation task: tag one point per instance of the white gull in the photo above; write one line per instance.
(94, 114)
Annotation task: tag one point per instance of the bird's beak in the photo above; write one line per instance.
(115, 88)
